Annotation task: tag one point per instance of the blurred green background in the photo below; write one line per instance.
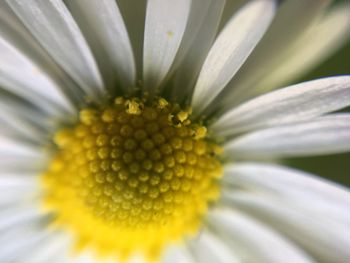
(333, 167)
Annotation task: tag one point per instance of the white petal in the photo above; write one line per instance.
(23, 121)
(202, 27)
(27, 113)
(231, 7)
(310, 49)
(52, 25)
(15, 180)
(134, 13)
(297, 16)
(84, 257)
(15, 127)
(60, 92)
(208, 248)
(19, 75)
(104, 27)
(53, 249)
(18, 215)
(166, 22)
(326, 240)
(21, 243)
(16, 189)
(199, 11)
(175, 254)
(325, 135)
(311, 193)
(295, 103)
(21, 164)
(20, 154)
(15, 148)
(253, 241)
(231, 49)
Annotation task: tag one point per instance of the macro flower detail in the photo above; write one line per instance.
(133, 170)
(153, 131)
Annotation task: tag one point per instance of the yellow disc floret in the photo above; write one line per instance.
(132, 177)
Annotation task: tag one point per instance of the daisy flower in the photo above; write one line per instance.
(144, 131)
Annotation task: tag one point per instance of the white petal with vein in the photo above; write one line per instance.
(323, 238)
(309, 192)
(325, 135)
(104, 23)
(297, 16)
(231, 49)
(209, 248)
(165, 25)
(295, 103)
(53, 26)
(253, 241)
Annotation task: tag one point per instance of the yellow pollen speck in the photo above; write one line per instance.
(200, 132)
(182, 116)
(162, 104)
(133, 107)
(170, 34)
(131, 179)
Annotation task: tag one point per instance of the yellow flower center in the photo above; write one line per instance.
(132, 177)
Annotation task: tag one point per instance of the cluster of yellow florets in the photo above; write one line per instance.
(132, 176)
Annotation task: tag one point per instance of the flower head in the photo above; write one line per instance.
(167, 149)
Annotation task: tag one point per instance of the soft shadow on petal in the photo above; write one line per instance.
(53, 26)
(292, 104)
(232, 47)
(104, 28)
(199, 36)
(325, 135)
(175, 254)
(208, 248)
(309, 192)
(268, 55)
(252, 240)
(325, 239)
(163, 36)
(62, 91)
(310, 49)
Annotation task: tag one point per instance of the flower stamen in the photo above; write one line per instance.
(132, 177)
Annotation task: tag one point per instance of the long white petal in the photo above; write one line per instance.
(297, 16)
(325, 239)
(310, 192)
(231, 49)
(325, 135)
(310, 49)
(63, 92)
(16, 189)
(208, 248)
(134, 13)
(53, 26)
(16, 127)
(15, 180)
(105, 30)
(19, 75)
(163, 35)
(15, 148)
(23, 242)
(17, 215)
(20, 154)
(203, 24)
(176, 254)
(53, 249)
(23, 120)
(253, 241)
(295, 103)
